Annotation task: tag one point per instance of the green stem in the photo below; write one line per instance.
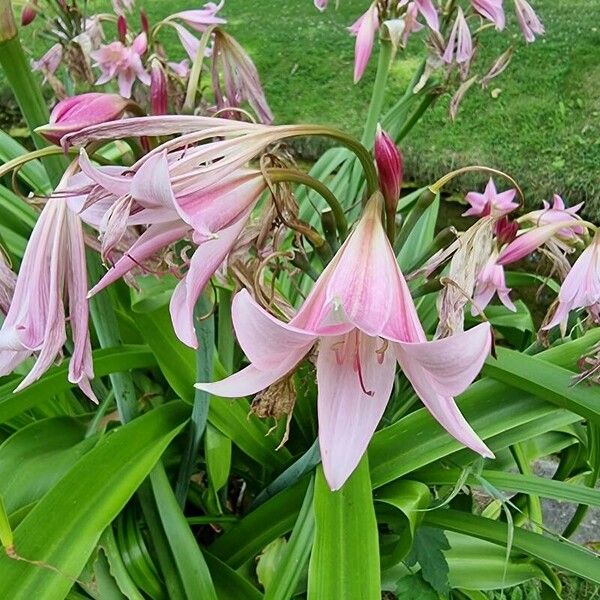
(225, 343)
(417, 114)
(25, 87)
(378, 95)
(280, 175)
(423, 203)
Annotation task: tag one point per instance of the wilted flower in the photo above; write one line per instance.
(181, 69)
(241, 81)
(52, 274)
(49, 62)
(490, 202)
(528, 20)
(122, 62)
(460, 44)
(7, 283)
(362, 315)
(364, 28)
(77, 112)
(122, 6)
(321, 4)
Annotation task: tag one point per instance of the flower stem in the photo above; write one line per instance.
(378, 95)
(423, 203)
(292, 175)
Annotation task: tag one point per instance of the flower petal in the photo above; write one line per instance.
(349, 410)
(267, 341)
(246, 382)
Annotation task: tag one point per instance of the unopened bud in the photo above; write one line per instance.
(390, 168)
(159, 97)
(144, 21)
(29, 13)
(506, 230)
(122, 29)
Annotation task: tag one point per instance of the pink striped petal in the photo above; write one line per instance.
(265, 340)
(365, 38)
(246, 382)
(349, 410)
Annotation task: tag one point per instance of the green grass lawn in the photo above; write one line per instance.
(543, 127)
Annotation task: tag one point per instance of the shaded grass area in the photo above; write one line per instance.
(543, 127)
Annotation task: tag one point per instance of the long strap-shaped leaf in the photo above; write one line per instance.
(108, 360)
(550, 382)
(60, 533)
(345, 557)
(562, 555)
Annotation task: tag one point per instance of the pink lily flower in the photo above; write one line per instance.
(53, 270)
(490, 281)
(364, 28)
(491, 10)
(460, 43)
(77, 112)
(581, 287)
(425, 8)
(181, 69)
(213, 213)
(49, 62)
(122, 62)
(530, 240)
(202, 18)
(490, 202)
(241, 81)
(528, 20)
(409, 23)
(159, 94)
(122, 6)
(556, 213)
(362, 316)
(321, 4)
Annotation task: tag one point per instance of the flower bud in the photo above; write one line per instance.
(29, 13)
(390, 168)
(506, 230)
(122, 29)
(77, 112)
(159, 96)
(145, 23)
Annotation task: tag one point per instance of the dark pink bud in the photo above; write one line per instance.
(506, 230)
(390, 168)
(145, 24)
(122, 29)
(77, 112)
(159, 97)
(29, 13)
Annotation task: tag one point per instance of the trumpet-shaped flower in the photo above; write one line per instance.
(49, 62)
(528, 20)
(491, 10)
(460, 43)
(364, 28)
(77, 112)
(556, 213)
(122, 62)
(52, 275)
(201, 18)
(362, 316)
(581, 287)
(490, 281)
(490, 202)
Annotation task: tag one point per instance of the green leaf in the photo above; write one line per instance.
(54, 382)
(43, 451)
(408, 500)
(563, 555)
(550, 382)
(269, 561)
(217, 451)
(192, 569)
(414, 587)
(345, 557)
(515, 482)
(75, 512)
(32, 172)
(230, 585)
(427, 550)
(296, 554)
